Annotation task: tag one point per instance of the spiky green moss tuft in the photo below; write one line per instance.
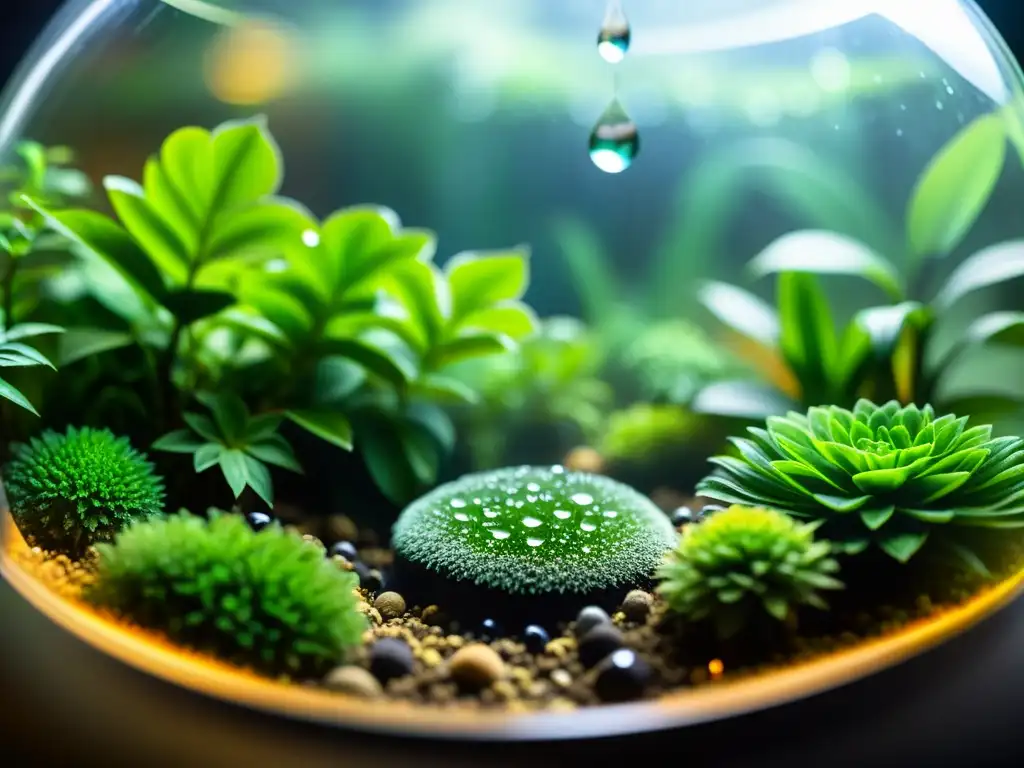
(535, 530)
(743, 562)
(646, 429)
(266, 600)
(70, 490)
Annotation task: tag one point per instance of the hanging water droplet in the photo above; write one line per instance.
(500, 534)
(535, 542)
(588, 527)
(563, 514)
(457, 503)
(462, 517)
(532, 522)
(615, 141)
(613, 39)
(583, 498)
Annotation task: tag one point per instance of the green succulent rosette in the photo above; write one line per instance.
(887, 475)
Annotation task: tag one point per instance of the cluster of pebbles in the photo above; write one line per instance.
(418, 654)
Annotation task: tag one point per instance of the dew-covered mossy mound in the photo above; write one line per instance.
(528, 540)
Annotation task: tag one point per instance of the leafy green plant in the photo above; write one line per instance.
(266, 600)
(240, 444)
(535, 530)
(743, 562)
(885, 351)
(205, 211)
(70, 490)
(895, 477)
(551, 380)
(16, 353)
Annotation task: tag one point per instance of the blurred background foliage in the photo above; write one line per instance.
(750, 261)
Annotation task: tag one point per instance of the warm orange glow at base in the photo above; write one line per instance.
(729, 696)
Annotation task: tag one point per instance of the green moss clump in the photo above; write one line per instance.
(535, 530)
(70, 490)
(646, 429)
(745, 561)
(266, 600)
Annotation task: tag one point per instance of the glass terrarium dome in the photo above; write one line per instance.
(640, 318)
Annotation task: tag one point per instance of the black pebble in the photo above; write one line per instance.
(622, 676)
(599, 643)
(707, 510)
(390, 658)
(490, 630)
(535, 638)
(590, 617)
(346, 549)
(370, 579)
(258, 520)
(681, 516)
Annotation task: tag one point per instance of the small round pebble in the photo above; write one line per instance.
(390, 604)
(590, 617)
(682, 516)
(259, 520)
(490, 630)
(535, 638)
(561, 678)
(354, 681)
(598, 643)
(709, 509)
(622, 676)
(476, 666)
(390, 658)
(370, 579)
(314, 541)
(346, 549)
(637, 605)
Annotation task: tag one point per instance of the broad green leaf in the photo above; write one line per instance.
(259, 479)
(246, 321)
(997, 328)
(512, 319)
(276, 451)
(229, 412)
(330, 426)
(989, 266)
(424, 293)
(358, 244)
(17, 354)
(445, 389)
(187, 159)
(955, 187)
(180, 441)
(808, 336)
(81, 343)
(190, 305)
(284, 311)
(741, 399)
(28, 331)
(262, 427)
(480, 280)
(382, 445)
(203, 9)
(266, 228)
(436, 422)
(246, 164)
(236, 470)
(206, 456)
(741, 310)
(107, 239)
(469, 346)
(393, 368)
(827, 253)
(34, 155)
(881, 481)
(335, 380)
(165, 197)
(202, 426)
(147, 226)
(876, 518)
(8, 392)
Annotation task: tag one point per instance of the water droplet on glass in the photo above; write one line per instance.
(586, 550)
(457, 503)
(588, 527)
(477, 501)
(533, 488)
(462, 517)
(490, 513)
(583, 498)
(535, 542)
(614, 142)
(613, 39)
(611, 513)
(563, 514)
(532, 522)
(500, 534)
(558, 469)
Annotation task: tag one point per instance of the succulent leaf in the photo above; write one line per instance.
(903, 470)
